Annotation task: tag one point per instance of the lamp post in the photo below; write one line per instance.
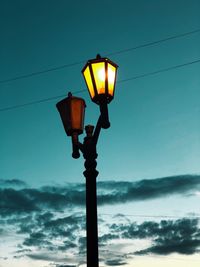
(100, 78)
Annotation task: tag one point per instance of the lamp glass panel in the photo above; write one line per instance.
(111, 79)
(77, 114)
(99, 76)
(88, 79)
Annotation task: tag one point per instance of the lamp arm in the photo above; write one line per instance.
(81, 147)
(97, 130)
(75, 146)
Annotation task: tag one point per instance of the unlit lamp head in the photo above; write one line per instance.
(72, 112)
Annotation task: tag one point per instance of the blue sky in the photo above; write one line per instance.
(154, 130)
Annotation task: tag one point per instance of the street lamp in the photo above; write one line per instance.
(72, 112)
(100, 78)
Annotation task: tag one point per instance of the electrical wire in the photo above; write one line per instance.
(153, 43)
(160, 71)
(38, 101)
(109, 54)
(152, 216)
(41, 72)
(196, 216)
(121, 81)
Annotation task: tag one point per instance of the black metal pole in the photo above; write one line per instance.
(90, 155)
(91, 221)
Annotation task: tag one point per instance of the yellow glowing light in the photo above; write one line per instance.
(89, 81)
(111, 79)
(99, 76)
(111, 74)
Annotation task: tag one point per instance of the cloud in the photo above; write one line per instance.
(15, 201)
(66, 234)
(148, 189)
(115, 262)
(2, 231)
(50, 230)
(37, 239)
(3, 258)
(49, 236)
(12, 183)
(82, 244)
(23, 251)
(165, 247)
(48, 220)
(54, 259)
(107, 237)
(41, 256)
(29, 200)
(180, 236)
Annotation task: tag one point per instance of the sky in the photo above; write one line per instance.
(148, 160)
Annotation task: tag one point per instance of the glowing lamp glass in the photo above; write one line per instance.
(98, 70)
(100, 78)
(89, 82)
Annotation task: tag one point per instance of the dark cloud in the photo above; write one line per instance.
(115, 262)
(66, 246)
(48, 231)
(107, 237)
(41, 256)
(65, 227)
(37, 239)
(23, 251)
(12, 183)
(24, 224)
(28, 200)
(42, 216)
(168, 236)
(82, 244)
(148, 189)
(4, 258)
(47, 199)
(15, 201)
(180, 236)
(44, 233)
(113, 185)
(166, 247)
(73, 195)
(64, 265)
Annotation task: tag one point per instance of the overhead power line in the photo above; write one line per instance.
(154, 42)
(159, 71)
(24, 76)
(152, 216)
(38, 101)
(121, 81)
(167, 216)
